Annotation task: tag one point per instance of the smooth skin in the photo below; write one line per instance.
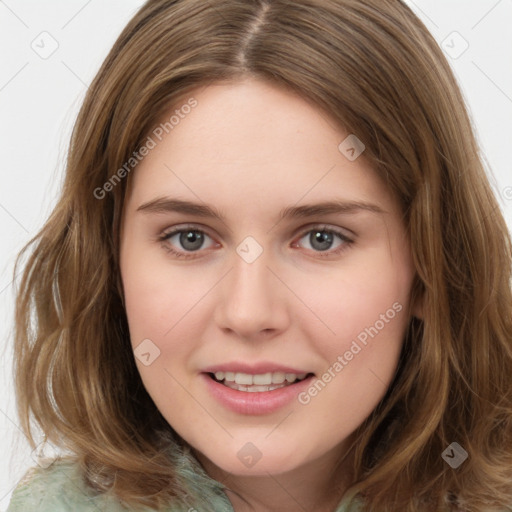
(249, 149)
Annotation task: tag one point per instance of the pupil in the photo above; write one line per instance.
(321, 240)
(191, 240)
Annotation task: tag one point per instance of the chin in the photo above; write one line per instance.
(248, 460)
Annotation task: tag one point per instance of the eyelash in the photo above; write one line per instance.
(347, 242)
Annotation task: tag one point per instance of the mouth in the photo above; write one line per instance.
(257, 383)
(259, 388)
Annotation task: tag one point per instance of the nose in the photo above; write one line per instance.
(253, 301)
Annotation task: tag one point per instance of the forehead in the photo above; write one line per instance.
(251, 142)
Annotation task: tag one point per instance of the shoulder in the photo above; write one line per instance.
(58, 488)
(61, 488)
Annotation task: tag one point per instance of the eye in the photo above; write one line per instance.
(326, 240)
(185, 240)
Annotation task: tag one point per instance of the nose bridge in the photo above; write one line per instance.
(251, 298)
(250, 278)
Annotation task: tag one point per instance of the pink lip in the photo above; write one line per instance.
(258, 403)
(258, 368)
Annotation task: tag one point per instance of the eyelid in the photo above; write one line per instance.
(322, 226)
(301, 231)
(168, 232)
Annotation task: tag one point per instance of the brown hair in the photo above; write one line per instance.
(373, 67)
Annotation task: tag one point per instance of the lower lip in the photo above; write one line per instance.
(260, 402)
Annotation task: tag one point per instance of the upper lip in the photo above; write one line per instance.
(253, 368)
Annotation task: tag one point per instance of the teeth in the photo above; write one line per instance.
(264, 379)
(244, 379)
(273, 380)
(253, 389)
(278, 377)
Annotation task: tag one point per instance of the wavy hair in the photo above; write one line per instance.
(373, 67)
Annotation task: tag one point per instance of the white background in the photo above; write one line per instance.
(39, 99)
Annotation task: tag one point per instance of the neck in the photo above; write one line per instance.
(318, 485)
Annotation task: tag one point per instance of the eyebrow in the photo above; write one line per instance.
(168, 205)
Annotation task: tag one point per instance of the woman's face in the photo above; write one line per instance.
(254, 252)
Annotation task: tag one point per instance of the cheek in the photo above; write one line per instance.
(157, 295)
(165, 304)
(372, 293)
(363, 308)
(158, 300)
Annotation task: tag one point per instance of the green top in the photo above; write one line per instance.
(61, 488)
